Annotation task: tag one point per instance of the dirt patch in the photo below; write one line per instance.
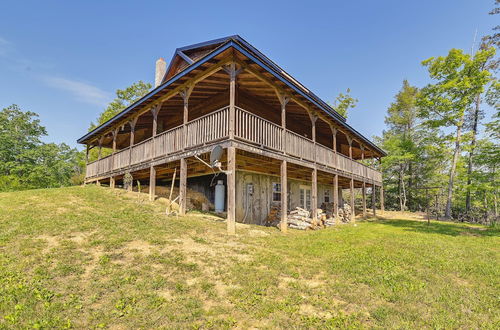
(52, 241)
(80, 237)
(140, 246)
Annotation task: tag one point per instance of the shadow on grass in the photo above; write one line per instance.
(441, 227)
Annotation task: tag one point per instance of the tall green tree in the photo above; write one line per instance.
(25, 161)
(399, 141)
(343, 103)
(459, 79)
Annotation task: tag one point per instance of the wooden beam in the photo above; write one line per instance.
(231, 69)
(231, 191)
(382, 207)
(112, 182)
(284, 197)
(182, 187)
(336, 196)
(353, 216)
(314, 194)
(374, 206)
(152, 183)
(363, 193)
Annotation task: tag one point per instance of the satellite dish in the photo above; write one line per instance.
(216, 155)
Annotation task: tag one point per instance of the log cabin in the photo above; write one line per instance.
(282, 144)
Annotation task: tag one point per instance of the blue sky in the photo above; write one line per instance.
(64, 59)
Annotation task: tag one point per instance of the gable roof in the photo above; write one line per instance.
(214, 48)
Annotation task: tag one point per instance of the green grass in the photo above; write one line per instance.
(89, 257)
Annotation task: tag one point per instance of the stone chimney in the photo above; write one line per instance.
(161, 69)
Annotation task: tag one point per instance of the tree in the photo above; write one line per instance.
(25, 161)
(459, 79)
(344, 102)
(124, 98)
(398, 140)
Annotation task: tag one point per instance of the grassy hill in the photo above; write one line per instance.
(92, 257)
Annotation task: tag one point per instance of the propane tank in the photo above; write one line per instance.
(219, 196)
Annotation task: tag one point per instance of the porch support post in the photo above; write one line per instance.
(232, 101)
(100, 147)
(314, 193)
(154, 112)
(382, 208)
(363, 189)
(363, 192)
(87, 154)
(185, 94)
(284, 197)
(283, 101)
(132, 123)
(353, 216)
(112, 182)
(334, 145)
(373, 199)
(182, 187)
(152, 183)
(336, 196)
(231, 191)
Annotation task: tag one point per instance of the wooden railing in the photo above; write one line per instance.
(215, 126)
(299, 146)
(168, 142)
(121, 159)
(208, 128)
(255, 129)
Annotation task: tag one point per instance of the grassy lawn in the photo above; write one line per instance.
(88, 257)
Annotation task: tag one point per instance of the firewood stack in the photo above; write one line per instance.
(299, 218)
(274, 217)
(345, 213)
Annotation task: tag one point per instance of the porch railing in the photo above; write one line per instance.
(215, 126)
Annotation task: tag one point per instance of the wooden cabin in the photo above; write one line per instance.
(282, 144)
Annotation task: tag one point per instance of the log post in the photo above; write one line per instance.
(99, 154)
(231, 190)
(374, 206)
(363, 193)
(232, 98)
(132, 123)
(152, 183)
(334, 145)
(114, 134)
(314, 193)
(185, 93)
(182, 187)
(382, 208)
(353, 216)
(336, 196)
(284, 197)
(363, 188)
(283, 101)
(87, 155)
(112, 182)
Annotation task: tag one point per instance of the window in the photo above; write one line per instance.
(327, 196)
(305, 197)
(276, 192)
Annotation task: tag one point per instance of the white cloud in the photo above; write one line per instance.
(83, 92)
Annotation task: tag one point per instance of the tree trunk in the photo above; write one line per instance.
(468, 201)
(447, 213)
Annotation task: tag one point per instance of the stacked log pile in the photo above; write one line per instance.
(274, 217)
(345, 213)
(300, 218)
